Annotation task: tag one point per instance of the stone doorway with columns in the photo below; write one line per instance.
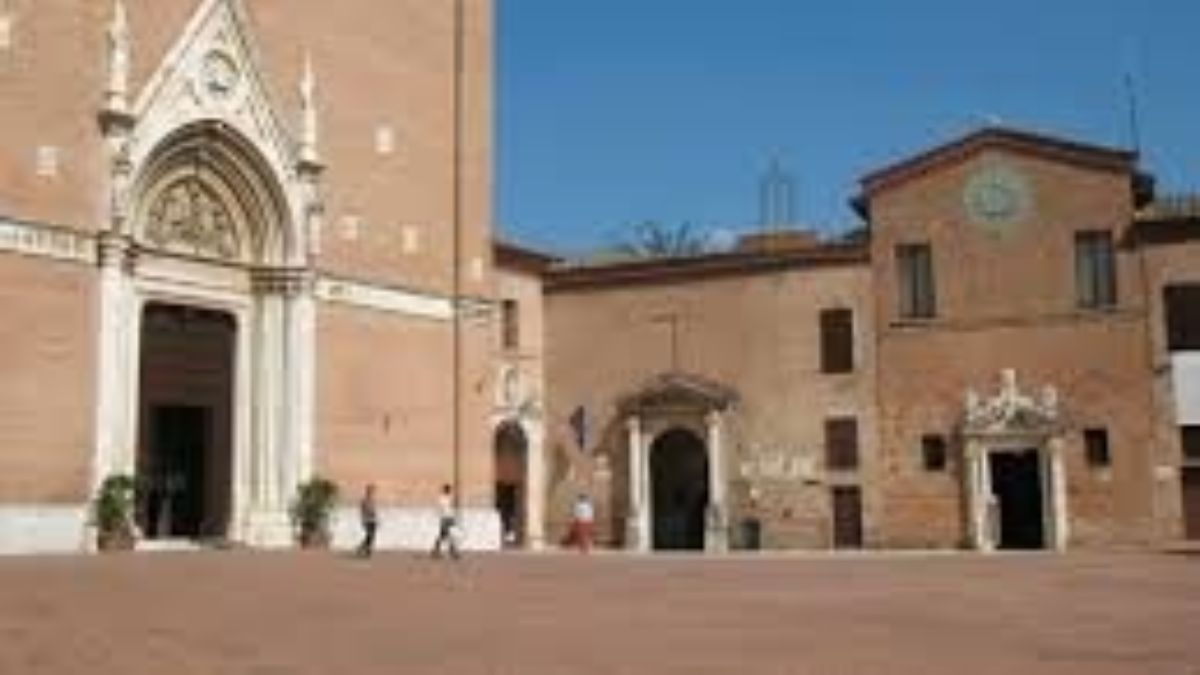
(1013, 473)
(214, 205)
(676, 427)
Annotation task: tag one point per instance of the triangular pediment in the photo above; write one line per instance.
(1005, 140)
(213, 73)
(677, 389)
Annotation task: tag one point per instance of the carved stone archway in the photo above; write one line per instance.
(1007, 423)
(668, 402)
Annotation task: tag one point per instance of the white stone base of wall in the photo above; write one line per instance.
(36, 528)
(414, 529)
(33, 529)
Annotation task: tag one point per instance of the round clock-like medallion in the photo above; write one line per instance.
(221, 75)
(997, 197)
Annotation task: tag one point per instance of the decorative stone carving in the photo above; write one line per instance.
(211, 74)
(187, 217)
(308, 114)
(220, 74)
(1010, 411)
(285, 281)
(117, 88)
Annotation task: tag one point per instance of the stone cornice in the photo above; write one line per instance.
(47, 241)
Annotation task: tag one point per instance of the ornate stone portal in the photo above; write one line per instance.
(1012, 422)
(215, 203)
(669, 401)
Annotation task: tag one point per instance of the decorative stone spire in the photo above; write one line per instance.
(308, 110)
(116, 91)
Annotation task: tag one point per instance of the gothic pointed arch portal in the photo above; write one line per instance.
(214, 209)
(209, 232)
(206, 192)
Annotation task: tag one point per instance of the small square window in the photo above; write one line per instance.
(933, 452)
(1095, 443)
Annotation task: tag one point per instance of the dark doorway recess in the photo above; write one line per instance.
(511, 448)
(1191, 502)
(1017, 485)
(184, 459)
(847, 517)
(679, 487)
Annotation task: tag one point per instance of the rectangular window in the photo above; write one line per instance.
(1190, 439)
(1182, 304)
(510, 324)
(933, 452)
(918, 299)
(841, 443)
(837, 341)
(1095, 270)
(1095, 442)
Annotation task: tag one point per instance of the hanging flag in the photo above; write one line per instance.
(579, 426)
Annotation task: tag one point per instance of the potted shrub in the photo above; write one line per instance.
(311, 510)
(112, 511)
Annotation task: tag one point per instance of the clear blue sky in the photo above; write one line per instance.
(617, 111)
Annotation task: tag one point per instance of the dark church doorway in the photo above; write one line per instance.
(184, 460)
(679, 490)
(1017, 485)
(511, 448)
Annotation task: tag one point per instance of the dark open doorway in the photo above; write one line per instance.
(184, 461)
(511, 449)
(679, 485)
(1017, 485)
(847, 516)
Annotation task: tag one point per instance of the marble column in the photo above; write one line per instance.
(535, 486)
(716, 537)
(1058, 495)
(271, 449)
(978, 487)
(116, 405)
(636, 531)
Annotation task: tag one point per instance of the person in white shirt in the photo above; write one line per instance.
(584, 516)
(446, 525)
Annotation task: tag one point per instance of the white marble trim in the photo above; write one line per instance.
(43, 528)
(47, 241)
(382, 298)
(415, 528)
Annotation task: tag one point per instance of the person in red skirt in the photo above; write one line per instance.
(583, 523)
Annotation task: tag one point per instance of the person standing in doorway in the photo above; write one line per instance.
(369, 515)
(584, 516)
(447, 525)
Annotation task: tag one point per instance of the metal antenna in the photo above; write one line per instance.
(1135, 130)
(777, 198)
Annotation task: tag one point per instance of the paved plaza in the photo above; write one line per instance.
(273, 613)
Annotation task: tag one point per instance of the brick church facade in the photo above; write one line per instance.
(236, 236)
(246, 243)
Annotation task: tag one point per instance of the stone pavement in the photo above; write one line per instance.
(213, 613)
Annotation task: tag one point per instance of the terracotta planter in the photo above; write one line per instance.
(316, 538)
(115, 540)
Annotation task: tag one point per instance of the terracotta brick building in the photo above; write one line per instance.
(1004, 358)
(233, 239)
